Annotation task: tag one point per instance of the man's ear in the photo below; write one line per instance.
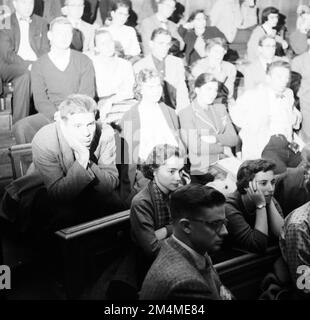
(64, 10)
(49, 35)
(151, 44)
(185, 225)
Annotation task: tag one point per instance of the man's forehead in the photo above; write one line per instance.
(82, 118)
(212, 214)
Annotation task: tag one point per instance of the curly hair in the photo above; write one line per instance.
(248, 170)
(158, 157)
(142, 77)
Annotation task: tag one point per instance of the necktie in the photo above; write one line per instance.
(77, 40)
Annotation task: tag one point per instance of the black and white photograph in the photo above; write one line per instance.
(155, 151)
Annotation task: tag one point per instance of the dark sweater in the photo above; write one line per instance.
(51, 86)
(144, 219)
(241, 215)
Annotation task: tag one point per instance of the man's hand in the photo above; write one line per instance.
(81, 152)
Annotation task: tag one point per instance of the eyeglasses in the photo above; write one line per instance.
(217, 225)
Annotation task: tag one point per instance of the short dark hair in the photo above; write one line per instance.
(203, 79)
(158, 157)
(187, 201)
(267, 11)
(278, 64)
(195, 13)
(248, 170)
(115, 4)
(158, 31)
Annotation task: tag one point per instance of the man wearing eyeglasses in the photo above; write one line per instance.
(183, 268)
(256, 72)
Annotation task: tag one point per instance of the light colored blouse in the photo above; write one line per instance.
(114, 75)
(154, 129)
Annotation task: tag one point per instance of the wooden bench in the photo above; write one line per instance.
(76, 242)
(105, 239)
(6, 108)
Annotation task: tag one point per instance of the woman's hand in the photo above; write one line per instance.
(255, 194)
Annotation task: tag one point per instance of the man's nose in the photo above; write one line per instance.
(224, 231)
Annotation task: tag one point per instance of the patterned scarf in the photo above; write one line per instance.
(162, 213)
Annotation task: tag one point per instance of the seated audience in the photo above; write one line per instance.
(83, 32)
(298, 38)
(301, 64)
(195, 33)
(170, 68)
(149, 213)
(126, 36)
(165, 8)
(292, 186)
(114, 76)
(150, 122)
(75, 175)
(225, 72)
(267, 116)
(183, 269)
(22, 42)
(254, 216)
(256, 72)
(54, 76)
(207, 130)
(270, 18)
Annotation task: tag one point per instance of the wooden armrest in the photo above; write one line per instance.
(247, 257)
(93, 226)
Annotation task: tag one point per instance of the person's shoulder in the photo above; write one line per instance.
(123, 62)
(80, 57)
(233, 200)
(142, 197)
(228, 65)
(145, 62)
(41, 62)
(176, 60)
(186, 113)
(38, 20)
(87, 25)
(298, 217)
(128, 30)
(45, 136)
(106, 131)
(302, 57)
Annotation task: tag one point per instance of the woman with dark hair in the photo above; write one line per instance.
(254, 217)
(150, 122)
(270, 19)
(126, 36)
(206, 129)
(195, 33)
(149, 214)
